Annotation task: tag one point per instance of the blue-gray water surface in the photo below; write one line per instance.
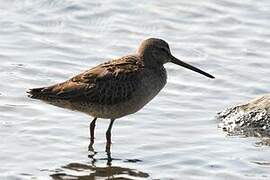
(175, 136)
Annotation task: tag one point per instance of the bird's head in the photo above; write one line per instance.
(156, 52)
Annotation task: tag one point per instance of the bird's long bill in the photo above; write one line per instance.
(181, 63)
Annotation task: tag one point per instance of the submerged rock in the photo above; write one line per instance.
(250, 119)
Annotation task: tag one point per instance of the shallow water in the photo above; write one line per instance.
(173, 137)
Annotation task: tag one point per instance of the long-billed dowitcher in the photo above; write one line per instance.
(116, 88)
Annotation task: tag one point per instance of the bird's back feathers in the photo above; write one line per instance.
(108, 83)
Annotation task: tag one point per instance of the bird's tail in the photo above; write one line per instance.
(38, 93)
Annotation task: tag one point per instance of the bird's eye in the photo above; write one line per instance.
(164, 50)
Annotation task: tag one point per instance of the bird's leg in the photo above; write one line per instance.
(108, 135)
(92, 134)
(109, 158)
(92, 130)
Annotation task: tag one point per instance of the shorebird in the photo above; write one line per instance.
(116, 88)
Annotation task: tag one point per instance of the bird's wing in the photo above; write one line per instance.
(108, 83)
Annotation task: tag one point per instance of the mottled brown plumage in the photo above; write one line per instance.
(109, 83)
(115, 88)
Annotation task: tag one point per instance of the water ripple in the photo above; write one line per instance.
(47, 41)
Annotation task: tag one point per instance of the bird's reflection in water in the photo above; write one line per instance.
(93, 153)
(107, 150)
(92, 171)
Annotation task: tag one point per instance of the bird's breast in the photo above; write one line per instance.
(150, 84)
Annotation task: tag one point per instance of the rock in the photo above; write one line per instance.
(250, 119)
